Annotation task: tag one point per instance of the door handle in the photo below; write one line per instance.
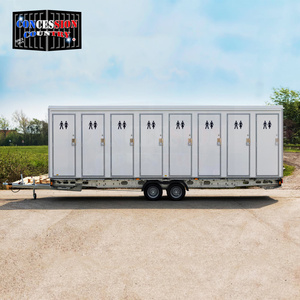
(248, 142)
(219, 141)
(160, 142)
(102, 142)
(276, 141)
(73, 142)
(131, 142)
(190, 142)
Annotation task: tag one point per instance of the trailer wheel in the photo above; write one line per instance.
(176, 191)
(153, 191)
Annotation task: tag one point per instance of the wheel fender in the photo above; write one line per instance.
(181, 182)
(148, 182)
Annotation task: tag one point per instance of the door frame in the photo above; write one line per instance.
(53, 141)
(92, 176)
(198, 146)
(140, 144)
(169, 150)
(274, 114)
(111, 131)
(249, 147)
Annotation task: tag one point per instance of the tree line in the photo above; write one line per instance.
(35, 132)
(290, 100)
(27, 132)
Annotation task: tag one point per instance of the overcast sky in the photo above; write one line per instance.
(155, 52)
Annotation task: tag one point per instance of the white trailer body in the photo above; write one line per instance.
(195, 146)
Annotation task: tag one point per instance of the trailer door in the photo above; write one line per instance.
(64, 142)
(180, 145)
(151, 156)
(238, 150)
(93, 142)
(209, 144)
(267, 147)
(122, 145)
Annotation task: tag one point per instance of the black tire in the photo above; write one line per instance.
(176, 191)
(153, 191)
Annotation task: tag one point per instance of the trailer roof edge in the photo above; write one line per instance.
(167, 107)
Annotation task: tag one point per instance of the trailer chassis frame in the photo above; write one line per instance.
(78, 184)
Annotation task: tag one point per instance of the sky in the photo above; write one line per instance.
(155, 52)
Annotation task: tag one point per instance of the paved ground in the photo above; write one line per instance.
(216, 244)
(116, 245)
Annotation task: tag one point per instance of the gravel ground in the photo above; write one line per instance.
(292, 182)
(216, 244)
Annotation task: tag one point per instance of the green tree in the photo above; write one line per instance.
(13, 138)
(290, 100)
(37, 132)
(44, 133)
(34, 131)
(22, 121)
(4, 124)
